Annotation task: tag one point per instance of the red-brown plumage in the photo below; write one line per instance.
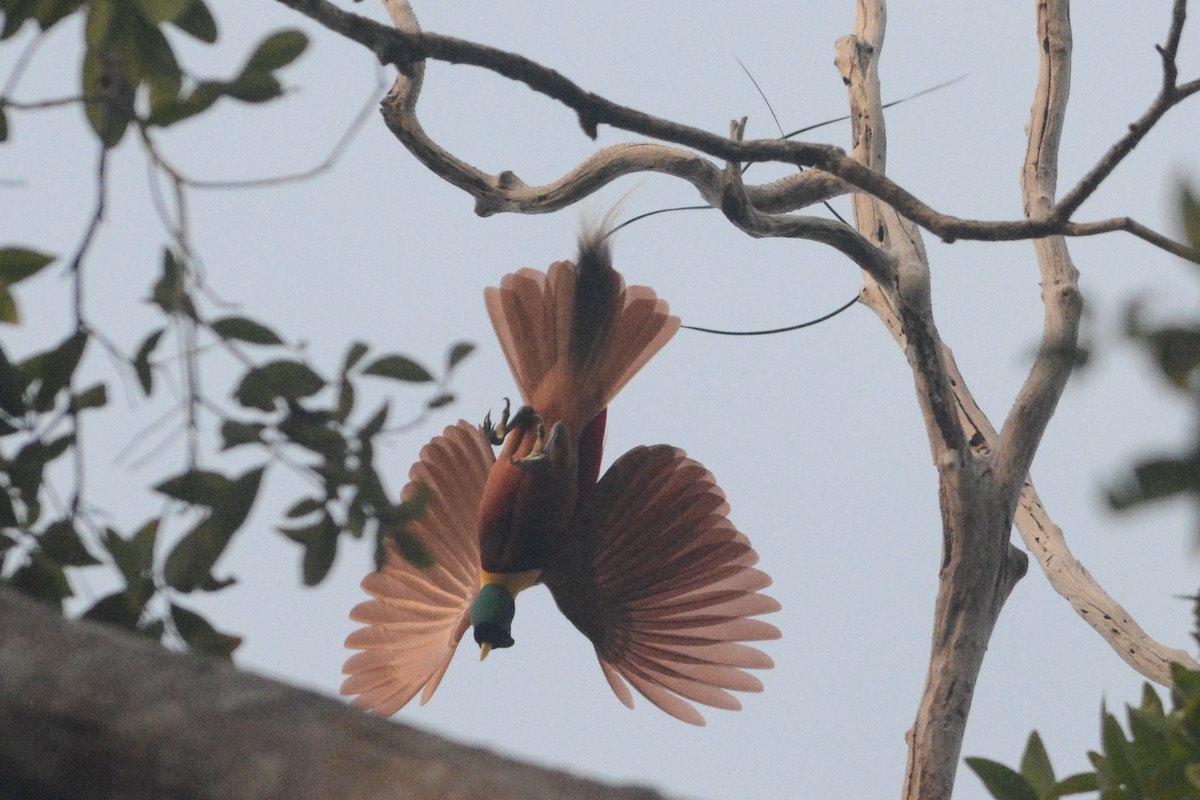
(526, 507)
(591, 451)
(644, 561)
(573, 338)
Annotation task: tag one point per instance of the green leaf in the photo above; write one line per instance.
(50, 12)
(1151, 702)
(211, 584)
(353, 356)
(1185, 684)
(197, 21)
(1177, 351)
(279, 379)
(99, 22)
(374, 499)
(245, 330)
(1149, 731)
(154, 58)
(254, 87)
(58, 369)
(1155, 479)
(457, 353)
(1035, 766)
(60, 541)
(375, 424)
(141, 361)
(356, 521)
(197, 487)
(199, 100)
(8, 307)
(134, 556)
(169, 292)
(116, 609)
(345, 404)
(399, 368)
(16, 12)
(443, 399)
(95, 396)
(201, 636)
(304, 507)
(190, 562)
(234, 433)
(12, 387)
(320, 548)
(157, 11)
(1189, 209)
(8, 518)
(152, 629)
(1074, 784)
(311, 430)
(276, 51)
(108, 89)
(1003, 782)
(41, 579)
(164, 96)
(19, 263)
(1118, 756)
(26, 468)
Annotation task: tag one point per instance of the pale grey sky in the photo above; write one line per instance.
(814, 436)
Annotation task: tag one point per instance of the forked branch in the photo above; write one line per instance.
(406, 48)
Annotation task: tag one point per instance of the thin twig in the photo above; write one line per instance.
(404, 48)
(331, 159)
(75, 268)
(18, 71)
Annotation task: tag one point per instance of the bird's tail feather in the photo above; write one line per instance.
(576, 334)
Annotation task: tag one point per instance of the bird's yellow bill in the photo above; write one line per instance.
(484, 649)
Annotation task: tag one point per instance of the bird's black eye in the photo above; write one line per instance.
(495, 635)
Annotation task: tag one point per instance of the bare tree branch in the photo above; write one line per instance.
(908, 288)
(90, 712)
(1022, 431)
(406, 48)
(739, 210)
(506, 192)
(1170, 96)
(1137, 229)
(979, 566)
(1095, 606)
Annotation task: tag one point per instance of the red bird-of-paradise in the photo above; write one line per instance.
(643, 561)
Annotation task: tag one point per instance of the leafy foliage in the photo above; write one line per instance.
(17, 264)
(128, 50)
(1158, 760)
(281, 411)
(1175, 351)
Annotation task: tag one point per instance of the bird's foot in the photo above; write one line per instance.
(496, 433)
(543, 445)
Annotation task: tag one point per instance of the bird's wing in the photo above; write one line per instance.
(660, 581)
(416, 616)
(574, 336)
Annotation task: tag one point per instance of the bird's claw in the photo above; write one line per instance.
(542, 445)
(496, 433)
